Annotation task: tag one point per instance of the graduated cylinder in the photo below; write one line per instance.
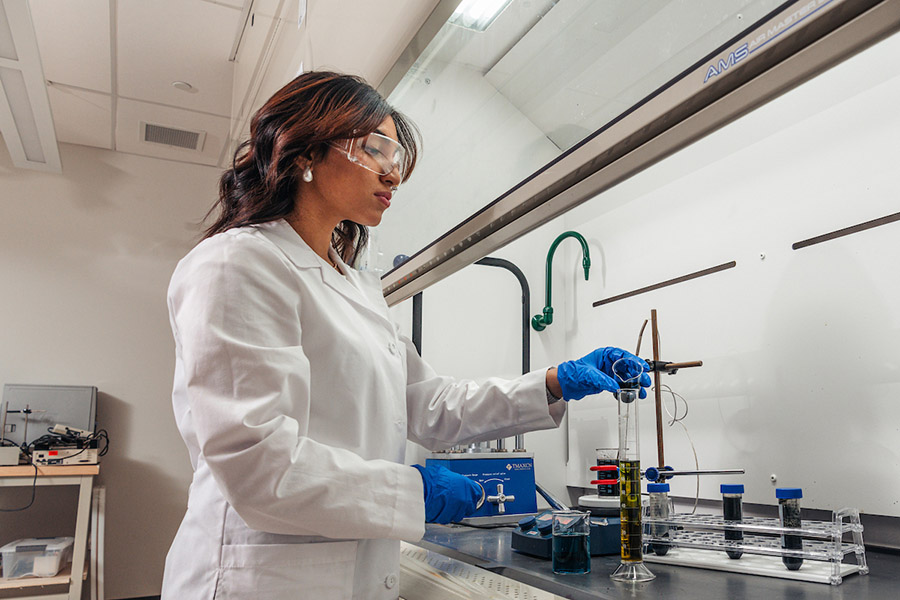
(631, 568)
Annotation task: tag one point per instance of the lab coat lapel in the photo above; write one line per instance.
(356, 292)
(290, 242)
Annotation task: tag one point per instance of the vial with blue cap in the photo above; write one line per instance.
(789, 512)
(659, 507)
(733, 512)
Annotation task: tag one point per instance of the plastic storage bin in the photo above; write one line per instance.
(40, 557)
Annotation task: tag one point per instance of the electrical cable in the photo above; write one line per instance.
(33, 489)
(676, 419)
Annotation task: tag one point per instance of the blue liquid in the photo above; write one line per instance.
(571, 553)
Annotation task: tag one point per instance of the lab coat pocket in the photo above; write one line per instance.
(287, 571)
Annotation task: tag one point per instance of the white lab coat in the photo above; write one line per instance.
(295, 395)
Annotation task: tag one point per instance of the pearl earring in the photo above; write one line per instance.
(307, 174)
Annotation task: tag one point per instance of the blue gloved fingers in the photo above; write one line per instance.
(579, 378)
(467, 506)
(449, 497)
(645, 382)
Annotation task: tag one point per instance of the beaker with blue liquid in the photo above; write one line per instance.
(571, 542)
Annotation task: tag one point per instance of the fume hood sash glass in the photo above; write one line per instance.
(515, 118)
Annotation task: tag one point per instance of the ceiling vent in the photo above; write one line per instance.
(169, 136)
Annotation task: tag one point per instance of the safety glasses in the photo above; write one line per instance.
(375, 152)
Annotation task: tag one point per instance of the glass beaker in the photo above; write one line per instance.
(571, 542)
(607, 472)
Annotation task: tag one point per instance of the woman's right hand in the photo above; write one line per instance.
(601, 371)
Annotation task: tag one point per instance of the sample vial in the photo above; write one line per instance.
(789, 511)
(658, 508)
(732, 510)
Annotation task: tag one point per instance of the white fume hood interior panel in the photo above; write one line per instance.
(800, 375)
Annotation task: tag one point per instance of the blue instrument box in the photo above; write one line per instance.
(507, 478)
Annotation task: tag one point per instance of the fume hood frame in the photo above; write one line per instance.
(792, 45)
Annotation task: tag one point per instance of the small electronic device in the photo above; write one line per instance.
(77, 451)
(534, 535)
(70, 431)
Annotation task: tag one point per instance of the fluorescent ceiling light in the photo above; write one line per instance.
(25, 118)
(478, 15)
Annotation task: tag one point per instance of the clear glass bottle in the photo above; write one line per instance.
(733, 511)
(658, 508)
(789, 512)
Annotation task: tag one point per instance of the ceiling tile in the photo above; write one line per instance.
(81, 116)
(372, 34)
(130, 114)
(73, 38)
(164, 41)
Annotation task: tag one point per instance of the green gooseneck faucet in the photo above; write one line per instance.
(540, 322)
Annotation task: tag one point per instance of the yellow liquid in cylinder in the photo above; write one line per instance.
(630, 509)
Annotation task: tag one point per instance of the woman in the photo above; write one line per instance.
(293, 390)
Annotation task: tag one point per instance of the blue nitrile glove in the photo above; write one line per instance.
(593, 373)
(449, 496)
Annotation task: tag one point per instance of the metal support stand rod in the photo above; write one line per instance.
(657, 393)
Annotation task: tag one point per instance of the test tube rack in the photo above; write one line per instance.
(823, 541)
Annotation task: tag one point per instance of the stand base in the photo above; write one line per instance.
(632, 572)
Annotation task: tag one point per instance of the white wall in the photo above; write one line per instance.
(85, 262)
(800, 375)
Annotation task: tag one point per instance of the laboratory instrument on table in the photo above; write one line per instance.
(507, 478)
(29, 410)
(631, 568)
(533, 535)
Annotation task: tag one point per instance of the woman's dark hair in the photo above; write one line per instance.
(294, 126)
